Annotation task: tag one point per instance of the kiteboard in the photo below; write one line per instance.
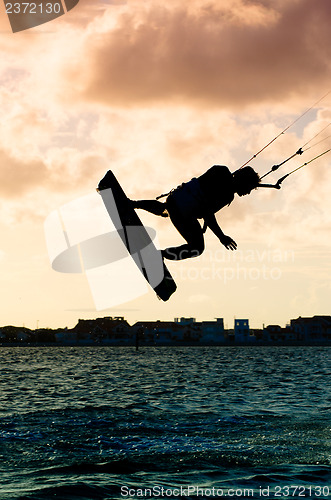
(128, 223)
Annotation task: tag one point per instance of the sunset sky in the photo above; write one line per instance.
(158, 92)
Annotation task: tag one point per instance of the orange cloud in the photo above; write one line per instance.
(241, 53)
(18, 176)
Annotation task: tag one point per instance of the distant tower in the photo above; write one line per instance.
(241, 330)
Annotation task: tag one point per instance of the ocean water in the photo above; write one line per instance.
(165, 422)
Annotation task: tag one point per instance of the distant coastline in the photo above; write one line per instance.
(116, 331)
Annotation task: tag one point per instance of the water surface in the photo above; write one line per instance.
(108, 423)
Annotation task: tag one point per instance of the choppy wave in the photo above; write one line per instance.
(80, 423)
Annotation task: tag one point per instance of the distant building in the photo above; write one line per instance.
(66, 337)
(23, 337)
(213, 331)
(189, 330)
(107, 331)
(15, 334)
(274, 334)
(157, 332)
(116, 331)
(182, 331)
(312, 330)
(241, 331)
(184, 321)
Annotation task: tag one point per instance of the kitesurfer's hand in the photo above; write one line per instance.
(228, 242)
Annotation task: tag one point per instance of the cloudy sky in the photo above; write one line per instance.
(158, 93)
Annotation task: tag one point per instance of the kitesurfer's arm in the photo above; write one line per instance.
(211, 222)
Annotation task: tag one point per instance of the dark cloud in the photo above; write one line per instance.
(210, 55)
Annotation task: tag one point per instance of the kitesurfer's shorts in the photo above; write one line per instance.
(187, 200)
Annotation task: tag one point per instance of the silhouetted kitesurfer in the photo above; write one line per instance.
(201, 198)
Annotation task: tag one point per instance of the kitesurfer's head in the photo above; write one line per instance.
(245, 180)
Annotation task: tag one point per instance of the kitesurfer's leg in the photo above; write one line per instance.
(191, 231)
(153, 206)
(194, 246)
